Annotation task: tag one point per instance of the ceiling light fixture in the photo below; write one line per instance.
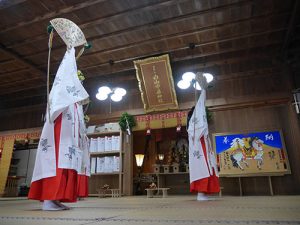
(188, 78)
(115, 94)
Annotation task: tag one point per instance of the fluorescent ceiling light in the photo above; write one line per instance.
(116, 98)
(120, 91)
(188, 76)
(105, 90)
(209, 77)
(101, 96)
(183, 84)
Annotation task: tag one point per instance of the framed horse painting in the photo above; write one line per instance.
(261, 153)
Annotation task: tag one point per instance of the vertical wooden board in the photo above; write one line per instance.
(128, 162)
(5, 161)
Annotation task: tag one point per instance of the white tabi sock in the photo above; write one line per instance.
(201, 197)
(49, 205)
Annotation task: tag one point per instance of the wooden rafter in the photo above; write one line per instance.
(151, 41)
(20, 59)
(52, 15)
(93, 23)
(8, 3)
(291, 28)
(187, 47)
(127, 13)
(179, 34)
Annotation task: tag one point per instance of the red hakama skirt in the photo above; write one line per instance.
(209, 184)
(63, 186)
(82, 186)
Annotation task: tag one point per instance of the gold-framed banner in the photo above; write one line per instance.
(258, 153)
(156, 83)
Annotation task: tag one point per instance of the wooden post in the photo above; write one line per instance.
(270, 186)
(240, 186)
(158, 183)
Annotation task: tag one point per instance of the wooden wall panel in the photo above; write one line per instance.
(290, 126)
(21, 120)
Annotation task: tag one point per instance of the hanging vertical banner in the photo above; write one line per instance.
(156, 83)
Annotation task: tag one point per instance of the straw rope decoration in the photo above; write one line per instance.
(50, 29)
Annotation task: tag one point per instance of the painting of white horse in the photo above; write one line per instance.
(244, 149)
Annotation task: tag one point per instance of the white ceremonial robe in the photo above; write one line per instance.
(84, 145)
(198, 127)
(66, 92)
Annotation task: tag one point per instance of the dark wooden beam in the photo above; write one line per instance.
(9, 3)
(291, 28)
(4, 62)
(52, 15)
(179, 34)
(14, 72)
(170, 51)
(127, 13)
(96, 21)
(183, 47)
(21, 60)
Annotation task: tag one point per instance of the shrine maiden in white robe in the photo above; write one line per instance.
(66, 94)
(198, 127)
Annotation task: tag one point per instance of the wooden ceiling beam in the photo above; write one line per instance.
(14, 72)
(21, 60)
(95, 21)
(126, 13)
(179, 34)
(52, 15)
(7, 61)
(9, 3)
(290, 29)
(153, 40)
(170, 51)
(234, 38)
(111, 78)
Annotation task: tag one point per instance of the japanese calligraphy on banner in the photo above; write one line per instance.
(255, 153)
(156, 83)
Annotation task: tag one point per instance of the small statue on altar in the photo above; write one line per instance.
(152, 186)
(105, 187)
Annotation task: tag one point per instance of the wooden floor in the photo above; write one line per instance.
(157, 211)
